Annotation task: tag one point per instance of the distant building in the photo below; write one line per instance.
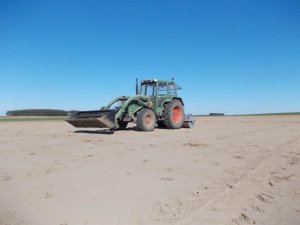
(216, 114)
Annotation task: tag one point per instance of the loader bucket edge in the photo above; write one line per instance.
(96, 118)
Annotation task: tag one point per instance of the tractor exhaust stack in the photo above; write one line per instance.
(136, 87)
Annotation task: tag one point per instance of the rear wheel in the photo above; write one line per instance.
(173, 114)
(146, 120)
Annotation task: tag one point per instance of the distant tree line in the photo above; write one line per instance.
(38, 112)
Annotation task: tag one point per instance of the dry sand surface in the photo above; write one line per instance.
(227, 170)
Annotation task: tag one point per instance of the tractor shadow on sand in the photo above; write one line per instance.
(104, 131)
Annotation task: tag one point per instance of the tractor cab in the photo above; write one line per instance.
(156, 88)
(159, 92)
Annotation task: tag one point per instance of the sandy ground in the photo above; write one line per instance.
(227, 170)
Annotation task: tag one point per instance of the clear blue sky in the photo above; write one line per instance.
(229, 56)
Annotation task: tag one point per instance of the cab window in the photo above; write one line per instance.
(167, 89)
(172, 89)
(148, 89)
(163, 89)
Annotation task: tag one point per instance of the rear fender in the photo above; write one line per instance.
(166, 101)
(180, 99)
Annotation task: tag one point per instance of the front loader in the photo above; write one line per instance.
(155, 103)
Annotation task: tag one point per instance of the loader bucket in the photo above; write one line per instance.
(96, 118)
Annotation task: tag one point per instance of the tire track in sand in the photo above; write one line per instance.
(205, 213)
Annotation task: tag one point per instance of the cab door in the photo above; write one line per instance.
(150, 90)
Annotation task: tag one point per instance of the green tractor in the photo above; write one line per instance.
(155, 103)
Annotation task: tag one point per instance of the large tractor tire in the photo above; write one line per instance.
(173, 114)
(146, 120)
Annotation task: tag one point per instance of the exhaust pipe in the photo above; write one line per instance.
(136, 87)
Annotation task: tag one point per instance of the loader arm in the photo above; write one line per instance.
(131, 106)
(120, 99)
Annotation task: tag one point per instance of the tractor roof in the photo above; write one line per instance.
(161, 82)
(155, 81)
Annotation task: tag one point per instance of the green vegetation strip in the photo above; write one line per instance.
(28, 119)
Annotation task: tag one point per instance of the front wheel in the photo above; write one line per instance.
(146, 120)
(173, 114)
